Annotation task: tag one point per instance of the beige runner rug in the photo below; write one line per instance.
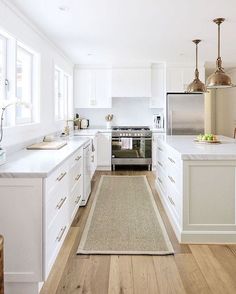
(124, 219)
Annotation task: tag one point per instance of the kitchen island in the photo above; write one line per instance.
(196, 183)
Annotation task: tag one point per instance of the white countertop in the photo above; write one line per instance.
(190, 150)
(90, 132)
(39, 163)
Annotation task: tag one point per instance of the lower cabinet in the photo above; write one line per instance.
(198, 196)
(104, 151)
(35, 216)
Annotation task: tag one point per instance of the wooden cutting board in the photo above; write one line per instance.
(55, 145)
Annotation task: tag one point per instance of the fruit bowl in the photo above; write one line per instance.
(207, 139)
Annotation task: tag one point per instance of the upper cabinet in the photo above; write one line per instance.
(158, 86)
(131, 82)
(178, 77)
(92, 87)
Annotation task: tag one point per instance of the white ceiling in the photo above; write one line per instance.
(135, 31)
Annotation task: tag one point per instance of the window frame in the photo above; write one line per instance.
(65, 94)
(30, 120)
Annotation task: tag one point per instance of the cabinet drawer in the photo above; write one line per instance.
(75, 199)
(58, 177)
(77, 158)
(161, 180)
(75, 175)
(55, 200)
(56, 233)
(173, 160)
(173, 199)
(174, 178)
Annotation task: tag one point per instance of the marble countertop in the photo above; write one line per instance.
(190, 150)
(94, 131)
(39, 163)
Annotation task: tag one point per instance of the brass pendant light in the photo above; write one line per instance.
(196, 86)
(219, 79)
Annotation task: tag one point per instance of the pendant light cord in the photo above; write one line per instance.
(218, 40)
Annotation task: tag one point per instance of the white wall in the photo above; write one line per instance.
(127, 111)
(226, 109)
(18, 26)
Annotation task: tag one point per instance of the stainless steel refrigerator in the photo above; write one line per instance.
(185, 114)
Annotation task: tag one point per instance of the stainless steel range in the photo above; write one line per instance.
(131, 146)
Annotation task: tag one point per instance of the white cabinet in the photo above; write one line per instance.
(158, 86)
(92, 88)
(178, 77)
(198, 196)
(35, 216)
(104, 151)
(155, 137)
(131, 82)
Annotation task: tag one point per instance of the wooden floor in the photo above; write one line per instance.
(195, 269)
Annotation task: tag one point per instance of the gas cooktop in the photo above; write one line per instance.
(128, 128)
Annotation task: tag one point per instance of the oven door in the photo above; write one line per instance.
(131, 148)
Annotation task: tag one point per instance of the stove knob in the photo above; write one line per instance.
(130, 134)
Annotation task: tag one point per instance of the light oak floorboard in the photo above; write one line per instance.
(191, 275)
(219, 281)
(144, 275)
(167, 275)
(199, 269)
(121, 275)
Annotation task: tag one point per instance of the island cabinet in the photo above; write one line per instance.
(35, 216)
(197, 194)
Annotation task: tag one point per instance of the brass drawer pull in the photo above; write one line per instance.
(160, 163)
(78, 177)
(159, 148)
(59, 205)
(92, 158)
(171, 200)
(61, 234)
(171, 160)
(78, 199)
(159, 180)
(78, 158)
(61, 176)
(171, 179)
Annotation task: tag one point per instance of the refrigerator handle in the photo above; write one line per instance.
(171, 122)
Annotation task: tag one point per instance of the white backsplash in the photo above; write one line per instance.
(126, 111)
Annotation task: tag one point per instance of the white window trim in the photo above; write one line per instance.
(11, 60)
(66, 101)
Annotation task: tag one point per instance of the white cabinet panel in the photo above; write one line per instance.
(179, 77)
(92, 88)
(131, 82)
(208, 203)
(104, 151)
(158, 88)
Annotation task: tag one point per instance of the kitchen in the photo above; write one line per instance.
(117, 170)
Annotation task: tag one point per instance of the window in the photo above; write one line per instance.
(62, 94)
(3, 61)
(19, 81)
(24, 84)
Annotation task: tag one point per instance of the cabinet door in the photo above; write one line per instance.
(104, 150)
(158, 88)
(174, 80)
(131, 82)
(84, 89)
(103, 88)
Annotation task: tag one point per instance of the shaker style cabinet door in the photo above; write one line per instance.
(92, 88)
(104, 151)
(158, 88)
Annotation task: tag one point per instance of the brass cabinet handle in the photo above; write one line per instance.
(159, 180)
(171, 179)
(78, 199)
(62, 201)
(78, 177)
(171, 200)
(62, 231)
(159, 148)
(159, 163)
(171, 160)
(61, 176)
(78, 158)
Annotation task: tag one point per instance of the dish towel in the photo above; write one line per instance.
(126, 143)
